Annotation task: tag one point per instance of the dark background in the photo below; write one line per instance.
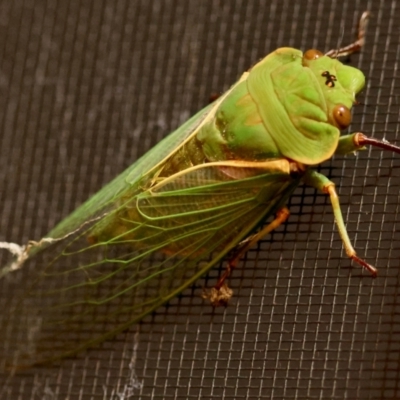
(88, 86)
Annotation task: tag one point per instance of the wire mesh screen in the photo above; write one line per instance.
(89, 86)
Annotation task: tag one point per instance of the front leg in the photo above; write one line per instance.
(322, 183)
(357, 141)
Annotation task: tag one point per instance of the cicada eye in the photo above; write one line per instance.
(342, 116)
(312, 54)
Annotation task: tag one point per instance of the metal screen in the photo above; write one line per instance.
(89, 86)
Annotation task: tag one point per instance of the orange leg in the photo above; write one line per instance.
(281, 216)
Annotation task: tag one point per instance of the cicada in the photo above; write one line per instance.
(216, 185)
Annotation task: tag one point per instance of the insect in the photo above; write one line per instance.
(204, 191)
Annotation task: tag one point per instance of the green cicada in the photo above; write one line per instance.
(204, 191)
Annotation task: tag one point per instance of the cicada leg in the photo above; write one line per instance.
(322, 183)
(221, 293)
(355, 46)
(281, 216)
(356, 141)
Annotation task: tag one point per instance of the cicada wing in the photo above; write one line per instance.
(148, 164)
(135, 258)
(104, 200)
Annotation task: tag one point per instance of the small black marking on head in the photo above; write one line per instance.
(330, 79)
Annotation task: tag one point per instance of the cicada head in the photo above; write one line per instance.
(339, 84)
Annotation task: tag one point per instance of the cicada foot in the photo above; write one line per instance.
(218, 296)
(364, 264)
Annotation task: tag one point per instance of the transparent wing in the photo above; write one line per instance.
(104, 200)
(154, 244)
(142, 170)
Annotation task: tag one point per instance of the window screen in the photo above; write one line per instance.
(89, 86)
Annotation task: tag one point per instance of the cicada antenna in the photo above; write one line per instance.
(355, 46)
